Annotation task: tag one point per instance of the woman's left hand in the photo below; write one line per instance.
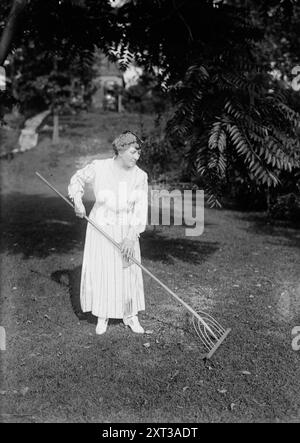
(127, 248)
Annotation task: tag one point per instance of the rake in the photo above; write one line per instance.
(210, 332)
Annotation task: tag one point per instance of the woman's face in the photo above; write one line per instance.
(130, 156)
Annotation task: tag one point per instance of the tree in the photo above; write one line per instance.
(146, 96)
(215, 56)
(12, 26)
(238, 121)
(238, 126)
(65, 30)
(45, 80)
(57, 43)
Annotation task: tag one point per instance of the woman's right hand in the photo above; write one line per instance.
(80, 210)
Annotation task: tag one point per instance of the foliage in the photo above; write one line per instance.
(6, 103)
(281, 42)
(238, 121)
(66, 26)
(146, 96)
(50, 80)
(239, 126)
(155, 156)
(53, 49)
(286, 207)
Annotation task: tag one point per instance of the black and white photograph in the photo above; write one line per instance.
(149, 214)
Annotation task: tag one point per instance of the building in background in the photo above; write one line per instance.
(108, 83)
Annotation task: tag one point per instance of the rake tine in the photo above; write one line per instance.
(200, 331)
(201, 335)
(218, 330)
(211, 348)
(218, 344)
(208, 338)
(217, 324)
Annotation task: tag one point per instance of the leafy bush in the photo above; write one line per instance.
(155, 156)
(237, 124)
(286, 207)
(146, 96)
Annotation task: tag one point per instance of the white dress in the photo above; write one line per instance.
(107, 288)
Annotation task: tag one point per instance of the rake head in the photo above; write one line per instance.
(210, 332)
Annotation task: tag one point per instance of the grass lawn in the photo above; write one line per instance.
(242, 270)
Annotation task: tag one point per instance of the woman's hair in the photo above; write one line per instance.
(124, 140)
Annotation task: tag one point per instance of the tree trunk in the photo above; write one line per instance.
(141, 124)
(11, 28)
(55, 135)
(120, 104)
(14, 91)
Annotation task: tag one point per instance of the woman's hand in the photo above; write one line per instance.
(80, 209)
(127, 248)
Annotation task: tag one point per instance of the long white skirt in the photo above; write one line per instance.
(107, 288)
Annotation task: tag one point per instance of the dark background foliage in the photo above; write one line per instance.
(233, 127)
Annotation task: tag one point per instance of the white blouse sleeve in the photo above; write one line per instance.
(79, 179)
(138, 219)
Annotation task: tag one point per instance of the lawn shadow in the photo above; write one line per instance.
(71, 279)
(283, 233)
(38, 226)
(156, 246)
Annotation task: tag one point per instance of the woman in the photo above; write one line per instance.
(112, 286)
